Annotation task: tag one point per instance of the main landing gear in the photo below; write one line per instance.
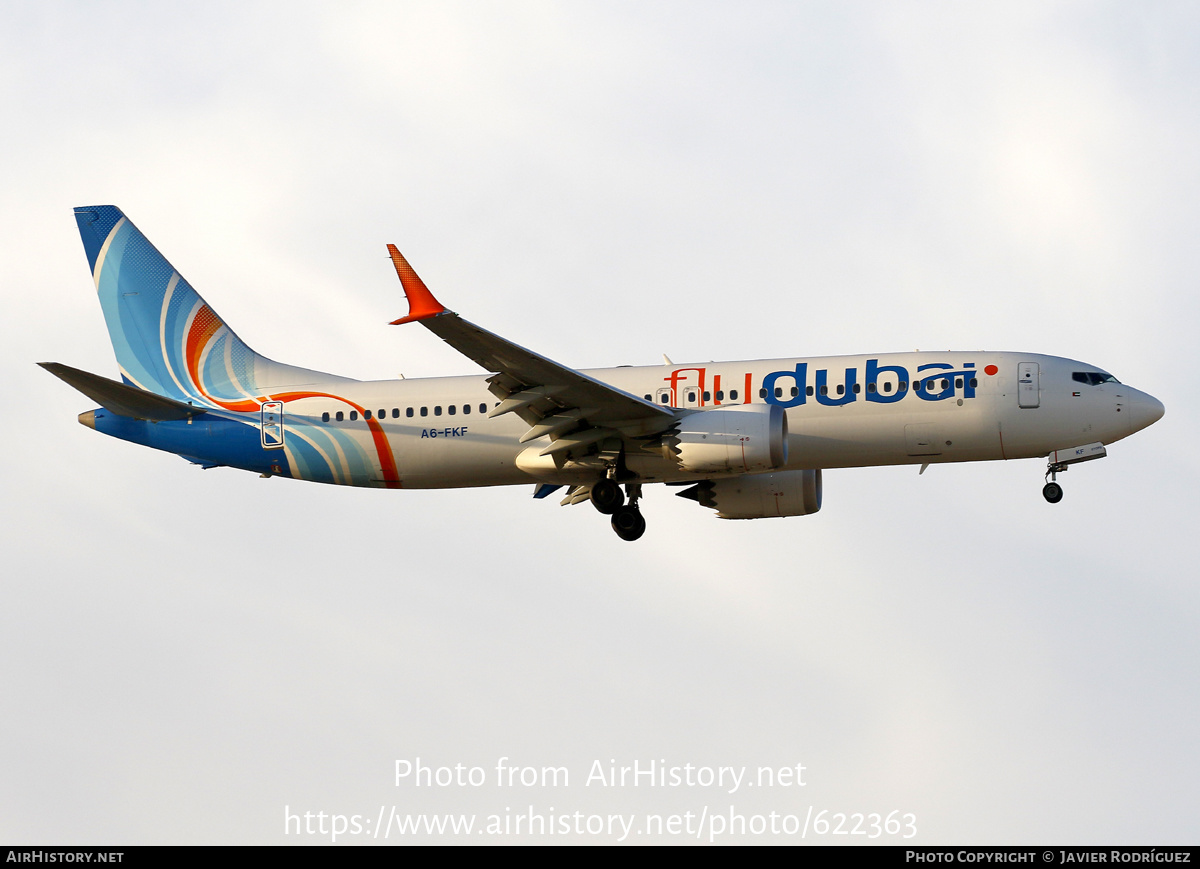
(627, 521)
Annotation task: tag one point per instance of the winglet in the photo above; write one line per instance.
(421, 303)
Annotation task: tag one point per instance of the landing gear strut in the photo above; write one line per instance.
(627, 520)
(1053, 492)
(1059, 460)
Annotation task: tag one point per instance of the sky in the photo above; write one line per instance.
(196, 657)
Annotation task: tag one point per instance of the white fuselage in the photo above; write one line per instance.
(440, 435)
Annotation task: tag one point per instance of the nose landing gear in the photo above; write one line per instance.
(1060, 460)
(1053, 492)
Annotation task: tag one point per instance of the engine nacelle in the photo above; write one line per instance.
(742, 438)
(761, 496)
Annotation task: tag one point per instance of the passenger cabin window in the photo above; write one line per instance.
(424, 411)
(974, 382)
(665, 398)
(707, 395)
(396, 412)
(733, 395)
(466, 408)
(366, 414)
(339, 416)
(870, 387)
(325, 416)
(437, 411)
(353, 415)
(482, 407)
(720, 395)
(452, 409)
(408, 411)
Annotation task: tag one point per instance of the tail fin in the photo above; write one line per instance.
(166, 338)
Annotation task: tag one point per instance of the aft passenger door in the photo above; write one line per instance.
(272, 425)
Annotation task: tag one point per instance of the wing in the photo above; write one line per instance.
(575, 410)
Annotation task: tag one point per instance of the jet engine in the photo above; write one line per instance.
(741, 438)
(760, 496)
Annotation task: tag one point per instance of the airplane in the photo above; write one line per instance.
(747, 439)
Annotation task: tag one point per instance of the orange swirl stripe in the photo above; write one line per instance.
(206, 323)
(387, 462)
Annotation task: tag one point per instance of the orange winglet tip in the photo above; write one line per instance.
(421, 303)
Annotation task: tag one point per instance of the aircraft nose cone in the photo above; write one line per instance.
(1144, 410)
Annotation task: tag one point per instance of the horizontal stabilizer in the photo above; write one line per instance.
(121, 399)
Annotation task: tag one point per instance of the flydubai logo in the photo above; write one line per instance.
(881, 384)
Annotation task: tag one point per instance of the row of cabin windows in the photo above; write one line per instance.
(451, 410)
(691, 396)
(902, 386)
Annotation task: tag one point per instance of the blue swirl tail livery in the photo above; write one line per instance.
(747, 439)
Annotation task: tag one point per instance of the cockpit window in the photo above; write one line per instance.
(1093, 378)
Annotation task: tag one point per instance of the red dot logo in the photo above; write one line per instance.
(990, 370)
